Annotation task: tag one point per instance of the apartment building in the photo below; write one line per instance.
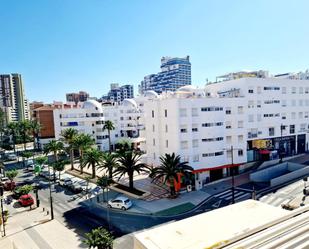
(89, 117)
(119, 93)
(175, 73)
(12, 98)
(81, 96)
(262, 118)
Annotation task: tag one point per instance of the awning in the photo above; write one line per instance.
(264, 152)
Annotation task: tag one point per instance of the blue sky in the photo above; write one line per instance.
(62, 46)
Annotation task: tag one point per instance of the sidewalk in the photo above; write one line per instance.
(33, 229)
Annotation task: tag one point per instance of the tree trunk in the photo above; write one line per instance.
(109, 142)
(72, 158)
(93, 170)
(110, 174)
(80, 161)
(131, 180)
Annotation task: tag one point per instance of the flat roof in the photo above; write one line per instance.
(210, 229)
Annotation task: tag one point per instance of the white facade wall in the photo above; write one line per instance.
(249, 109)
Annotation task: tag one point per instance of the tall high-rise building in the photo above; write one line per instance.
(81, 96)
(119, 93)
(175, 73)
(12, 97)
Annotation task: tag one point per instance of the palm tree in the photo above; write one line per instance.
(104, 182)
(82, 142)
(109, 126)
(24, 127)
(68, 135)
(12, 128)
(171, 166)
(35, 128)
(99, 238)
(55, 147)
(129, 162)
(109, 163)
(93, 157)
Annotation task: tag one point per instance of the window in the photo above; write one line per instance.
(228, 125)
(212, 139)
(183, 130)
(250, 104)
(306, 115)
(152, 113)
(228, 110)
(293, 89)
(153, 128)
(271, 131)
(195, 143)
(301, 90)
(166, 143)
(267, 88)
(212, 124)
(153, 142)
(250, 90)
(250, 118)
(259, 90)
(300, 102)
(293, 102)
(166, 128)
(240, 124)
(194, 112)
(211, 109)
(219, 153)
(240, 153)
(258, 117)
(283, 103)
(283, 115)
(292, 129)
(300, 115)
(293, 115)
(184, 145)
(183, 112)
(307, 90)
(165, 113)
(284, 90)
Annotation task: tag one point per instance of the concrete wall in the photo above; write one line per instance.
(266, 175)
(290, 176)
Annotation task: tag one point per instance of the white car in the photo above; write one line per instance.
(120, 202)
(11, 157)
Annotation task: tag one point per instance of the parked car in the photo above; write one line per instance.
(76, 188)
(120, 202)
(11, 157)
(26, 200)
(4, 179)
(67, 182)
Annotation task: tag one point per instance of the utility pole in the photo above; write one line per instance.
(280, 144)
(50, 195)
(232, 173)
(2, 210)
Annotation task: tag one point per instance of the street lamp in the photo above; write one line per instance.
(50, 195)
(2, 209)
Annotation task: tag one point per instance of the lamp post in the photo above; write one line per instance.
(232, 173)
(50, 195)
(282, 127)
(2, 210)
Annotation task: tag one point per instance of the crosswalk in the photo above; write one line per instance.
(239, 195)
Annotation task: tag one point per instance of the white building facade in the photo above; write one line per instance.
(262, 118)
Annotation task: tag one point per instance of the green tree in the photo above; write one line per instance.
(128, 163)
(99, 238)
(109, 162)
(41, 160)
(2, 123)
(26, 155)
(109, 126)
(103, 182)
(68, 135)
(123, 145)
(92, 158)
(24, 128)
(24, 190)
(58, 166)
(82, 142)
(55, 147)
(13, 130)
(11, 174)
(169, 169)
(35, 128)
